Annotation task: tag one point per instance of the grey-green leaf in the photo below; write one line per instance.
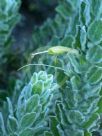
(32, 103)
(94, 54)
(95, 32)
(75, 117)
(12, 124)
(47, 134)
(2, 127)
(53, 126)
(27, 132)
(94, 75)
(10, 107)
(92, 122)
(83, 37)
(27, 120)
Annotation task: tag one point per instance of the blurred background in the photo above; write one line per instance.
(18, 27)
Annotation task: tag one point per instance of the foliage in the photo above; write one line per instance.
(9, 17)
(83, 32)
(68, 101)
(32, 107)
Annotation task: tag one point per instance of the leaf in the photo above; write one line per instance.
(25, 94)
(67, 41)
(75, 82)
(95, 91)
(54, 41)
(94, 75)
(100, 106)
(86, 12)
(47, 134)
(42, 75)
(58, 111)
(10, 107)
(74, 3)
(61, 115)
(27, 120)
(61, 131)
(8, 18)
(86, 133)
(96, 8)
(76, 117)
(64, 10)
(34, 78)
(27, 132)
(53, 125)
(2, 127)
(48, 82)
(32, 103)
(61, 78)
(95, 32)
(38, 87)
(12, 124)
(83, 38)
(94, 54)
(39, 130)
(92, 122)
(75, 64)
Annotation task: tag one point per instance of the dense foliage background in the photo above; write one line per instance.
(61, 93)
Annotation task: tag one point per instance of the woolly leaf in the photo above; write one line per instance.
(34, 78)
(95, 32)
(38, 87)
(86, 133)
(68, 41)
(27, 120)
(12, 124)
(53, 125)
(94, 75)
(76, 83)
(83, 38)
(2, 126)
(86, 12)
(64, 11)
(61, 114)
(75, 63)
(8, 18)
(32, 103)
(48, 134)
(94, 54)
(92, 122)
(10, 107)
(100, 106)
(39, 130)
(96, 8)
(27, 132)
(74, 3)
(75, 117)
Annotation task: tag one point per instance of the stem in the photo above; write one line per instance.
(40, 65)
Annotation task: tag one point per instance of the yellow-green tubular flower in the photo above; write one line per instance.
(58, 50)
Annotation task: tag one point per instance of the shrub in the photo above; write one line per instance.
(68, 101)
